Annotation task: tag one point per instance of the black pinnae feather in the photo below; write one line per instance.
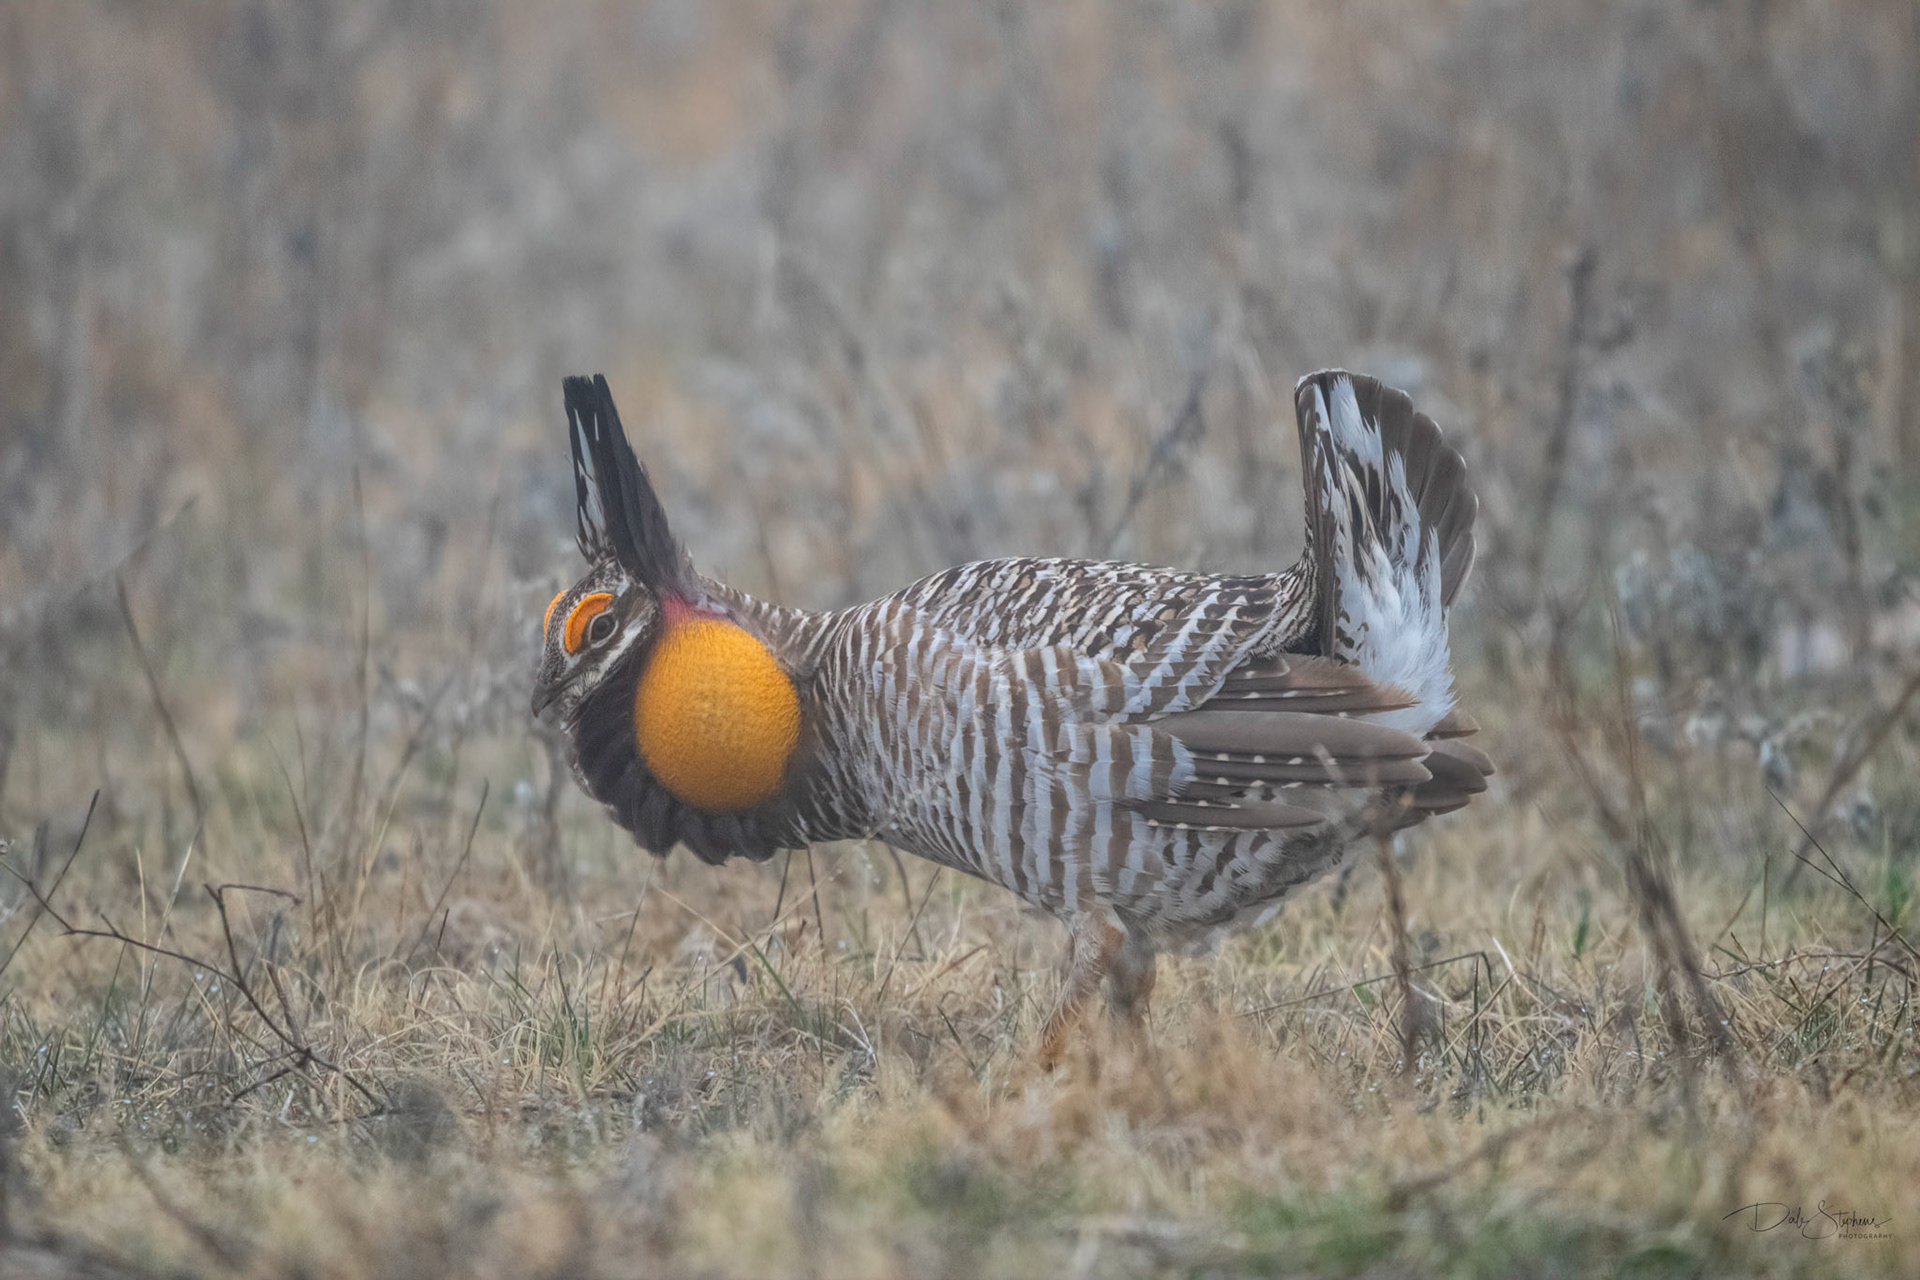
(590, 520)
(619, 515)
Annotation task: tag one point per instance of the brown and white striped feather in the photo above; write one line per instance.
(1176, 748)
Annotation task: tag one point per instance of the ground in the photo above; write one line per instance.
(444, 1057)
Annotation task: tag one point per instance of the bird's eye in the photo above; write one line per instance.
(600, 630)
(588, 613)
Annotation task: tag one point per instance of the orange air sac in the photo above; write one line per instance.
(714, 715)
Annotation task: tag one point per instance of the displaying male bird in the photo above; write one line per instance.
(1152, 755)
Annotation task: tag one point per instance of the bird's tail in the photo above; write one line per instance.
(1389, 536)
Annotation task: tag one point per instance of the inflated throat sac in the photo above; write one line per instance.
(715, 717)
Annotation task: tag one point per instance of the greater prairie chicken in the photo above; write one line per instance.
(1149, 754)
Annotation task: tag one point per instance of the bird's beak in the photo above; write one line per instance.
(545, 695)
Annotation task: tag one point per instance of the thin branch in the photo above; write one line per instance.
(1403, 1190)
(234, 978)
(1846, 771)
(159, 700)
(911, 923)
(294, 898)
(1189, 424)
(300, 822)
(42, 908)
(813, 891)
(1637, 840)
(1836, 873)
(458, 867)
(1566, 402)
(1412, 1011)
(1368, 982)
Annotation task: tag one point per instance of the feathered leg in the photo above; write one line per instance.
(1130, 978)
(1092, 944)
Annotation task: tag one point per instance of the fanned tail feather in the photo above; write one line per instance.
(1389, 537)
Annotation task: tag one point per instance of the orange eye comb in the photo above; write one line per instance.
(546, 622)
(589, 608)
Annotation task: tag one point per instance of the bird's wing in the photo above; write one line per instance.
(1177, 634)
(1090, 731)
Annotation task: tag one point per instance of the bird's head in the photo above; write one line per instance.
(644, 642)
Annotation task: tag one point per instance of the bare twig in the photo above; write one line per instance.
(159, 700)
(1836, 873)
(40, 908)
(235, 977)
(1807, 957)
(1412, 1005)
(459, 866)
(1368, 982)
(300, 823)
(1847, 769)
(906, 889)
(261, 888)
(1638, 842)
(1404, 1190)
(813, 891)
(1567, 400)
(911, 922)
(1187, 425)
(786, 868)
(279, 988)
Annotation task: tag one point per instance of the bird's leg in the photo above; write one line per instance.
(1091, 946)
(1130, 979)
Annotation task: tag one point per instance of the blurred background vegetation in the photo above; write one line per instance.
(287, 288)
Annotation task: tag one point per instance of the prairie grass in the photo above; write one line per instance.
(419, 1051)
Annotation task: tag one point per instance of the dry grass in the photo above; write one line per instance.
(434, 1059)
(343, 980)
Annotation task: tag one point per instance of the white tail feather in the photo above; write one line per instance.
(1375, 541)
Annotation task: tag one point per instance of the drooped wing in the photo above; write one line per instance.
(1046, 735)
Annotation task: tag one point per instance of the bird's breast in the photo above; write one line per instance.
(715, 717)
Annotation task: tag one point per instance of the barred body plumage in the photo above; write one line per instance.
(1150, 754)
